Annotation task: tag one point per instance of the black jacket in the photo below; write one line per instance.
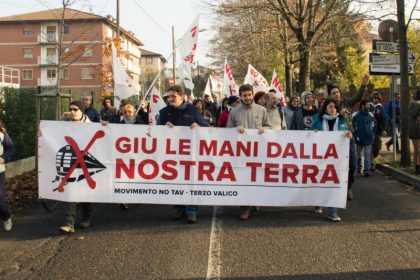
(184, 115)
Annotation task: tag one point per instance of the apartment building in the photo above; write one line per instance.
(151, 64)
(30, 42)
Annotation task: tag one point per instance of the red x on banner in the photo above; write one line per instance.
(79, 154)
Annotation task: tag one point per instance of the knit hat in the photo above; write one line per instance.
(330, 87)
(303, 96)
(258, 95)
(79, 104)
(232, 99)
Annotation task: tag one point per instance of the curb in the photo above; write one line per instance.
(399, 175)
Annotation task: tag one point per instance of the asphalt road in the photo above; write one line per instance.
(379, 238)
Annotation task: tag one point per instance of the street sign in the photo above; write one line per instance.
(387, 59)
(376, 69)
(383, 46)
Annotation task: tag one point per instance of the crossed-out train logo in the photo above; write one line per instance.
(74, 164)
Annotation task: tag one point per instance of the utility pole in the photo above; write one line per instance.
(118, 18)
(173, 53)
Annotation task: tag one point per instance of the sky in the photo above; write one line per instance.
(150, 20)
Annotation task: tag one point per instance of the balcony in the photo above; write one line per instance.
(50, 38)
(134, 51)
(134, 69)
(49, 82)
(48, 61)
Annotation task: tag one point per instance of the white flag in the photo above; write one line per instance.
(156, 103)
(275, 84)
(229, 85)
(216, 84)
(207, 90)
(256, 79)
(123, 84)
(186, 49)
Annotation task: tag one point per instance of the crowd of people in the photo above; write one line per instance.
(262, 110)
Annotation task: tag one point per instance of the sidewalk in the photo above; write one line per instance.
(387, 165)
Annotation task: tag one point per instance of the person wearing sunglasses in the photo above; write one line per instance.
(76, 115)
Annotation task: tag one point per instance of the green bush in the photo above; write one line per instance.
(17, 110)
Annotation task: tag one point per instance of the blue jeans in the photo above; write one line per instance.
(332, 212)
(367, 154)
(188, 209)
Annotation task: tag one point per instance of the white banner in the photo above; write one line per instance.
(276, 85)
(155, 105)
(256, 79)
(229, 85)
(123, 84)
(88, 162)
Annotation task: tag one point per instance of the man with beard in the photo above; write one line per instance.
(275, 114)
(303, 117)
(248, 115)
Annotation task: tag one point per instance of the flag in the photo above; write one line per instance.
(123, 84)
(256, 79)
(207, 90)
(229, 86)
(155, 105)
(275, 84)
(216, 84)
(186, 49)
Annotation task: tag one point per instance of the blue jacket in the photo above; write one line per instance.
(388, 111)
(92, 114)
(317, 123)
(364, 127)
(184, 115)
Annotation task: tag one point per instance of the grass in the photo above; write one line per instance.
(396, 164)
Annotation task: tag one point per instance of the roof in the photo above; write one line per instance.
(53, 14)
(149, 53)
(70, 15)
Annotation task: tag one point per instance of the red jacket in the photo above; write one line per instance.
(223, 119)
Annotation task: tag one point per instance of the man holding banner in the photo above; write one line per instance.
(181, 113)
(248, 115)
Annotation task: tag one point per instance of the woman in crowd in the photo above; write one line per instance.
(259, 98)
(328, 119)
(76, 115)
(207, 116)
(108, 111)
(6, 151)
(291, 107)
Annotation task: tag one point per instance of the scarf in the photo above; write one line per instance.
(326, 118)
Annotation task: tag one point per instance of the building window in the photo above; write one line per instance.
(51, 73)
(87, 51)
(51, 52)
(27, 53)
(27, 31)
(87, 74)
(65, 74)
(27, 74)
(87, 29)
(149, 60)
(66, 28)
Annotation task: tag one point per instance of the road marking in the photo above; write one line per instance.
(215, 261)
